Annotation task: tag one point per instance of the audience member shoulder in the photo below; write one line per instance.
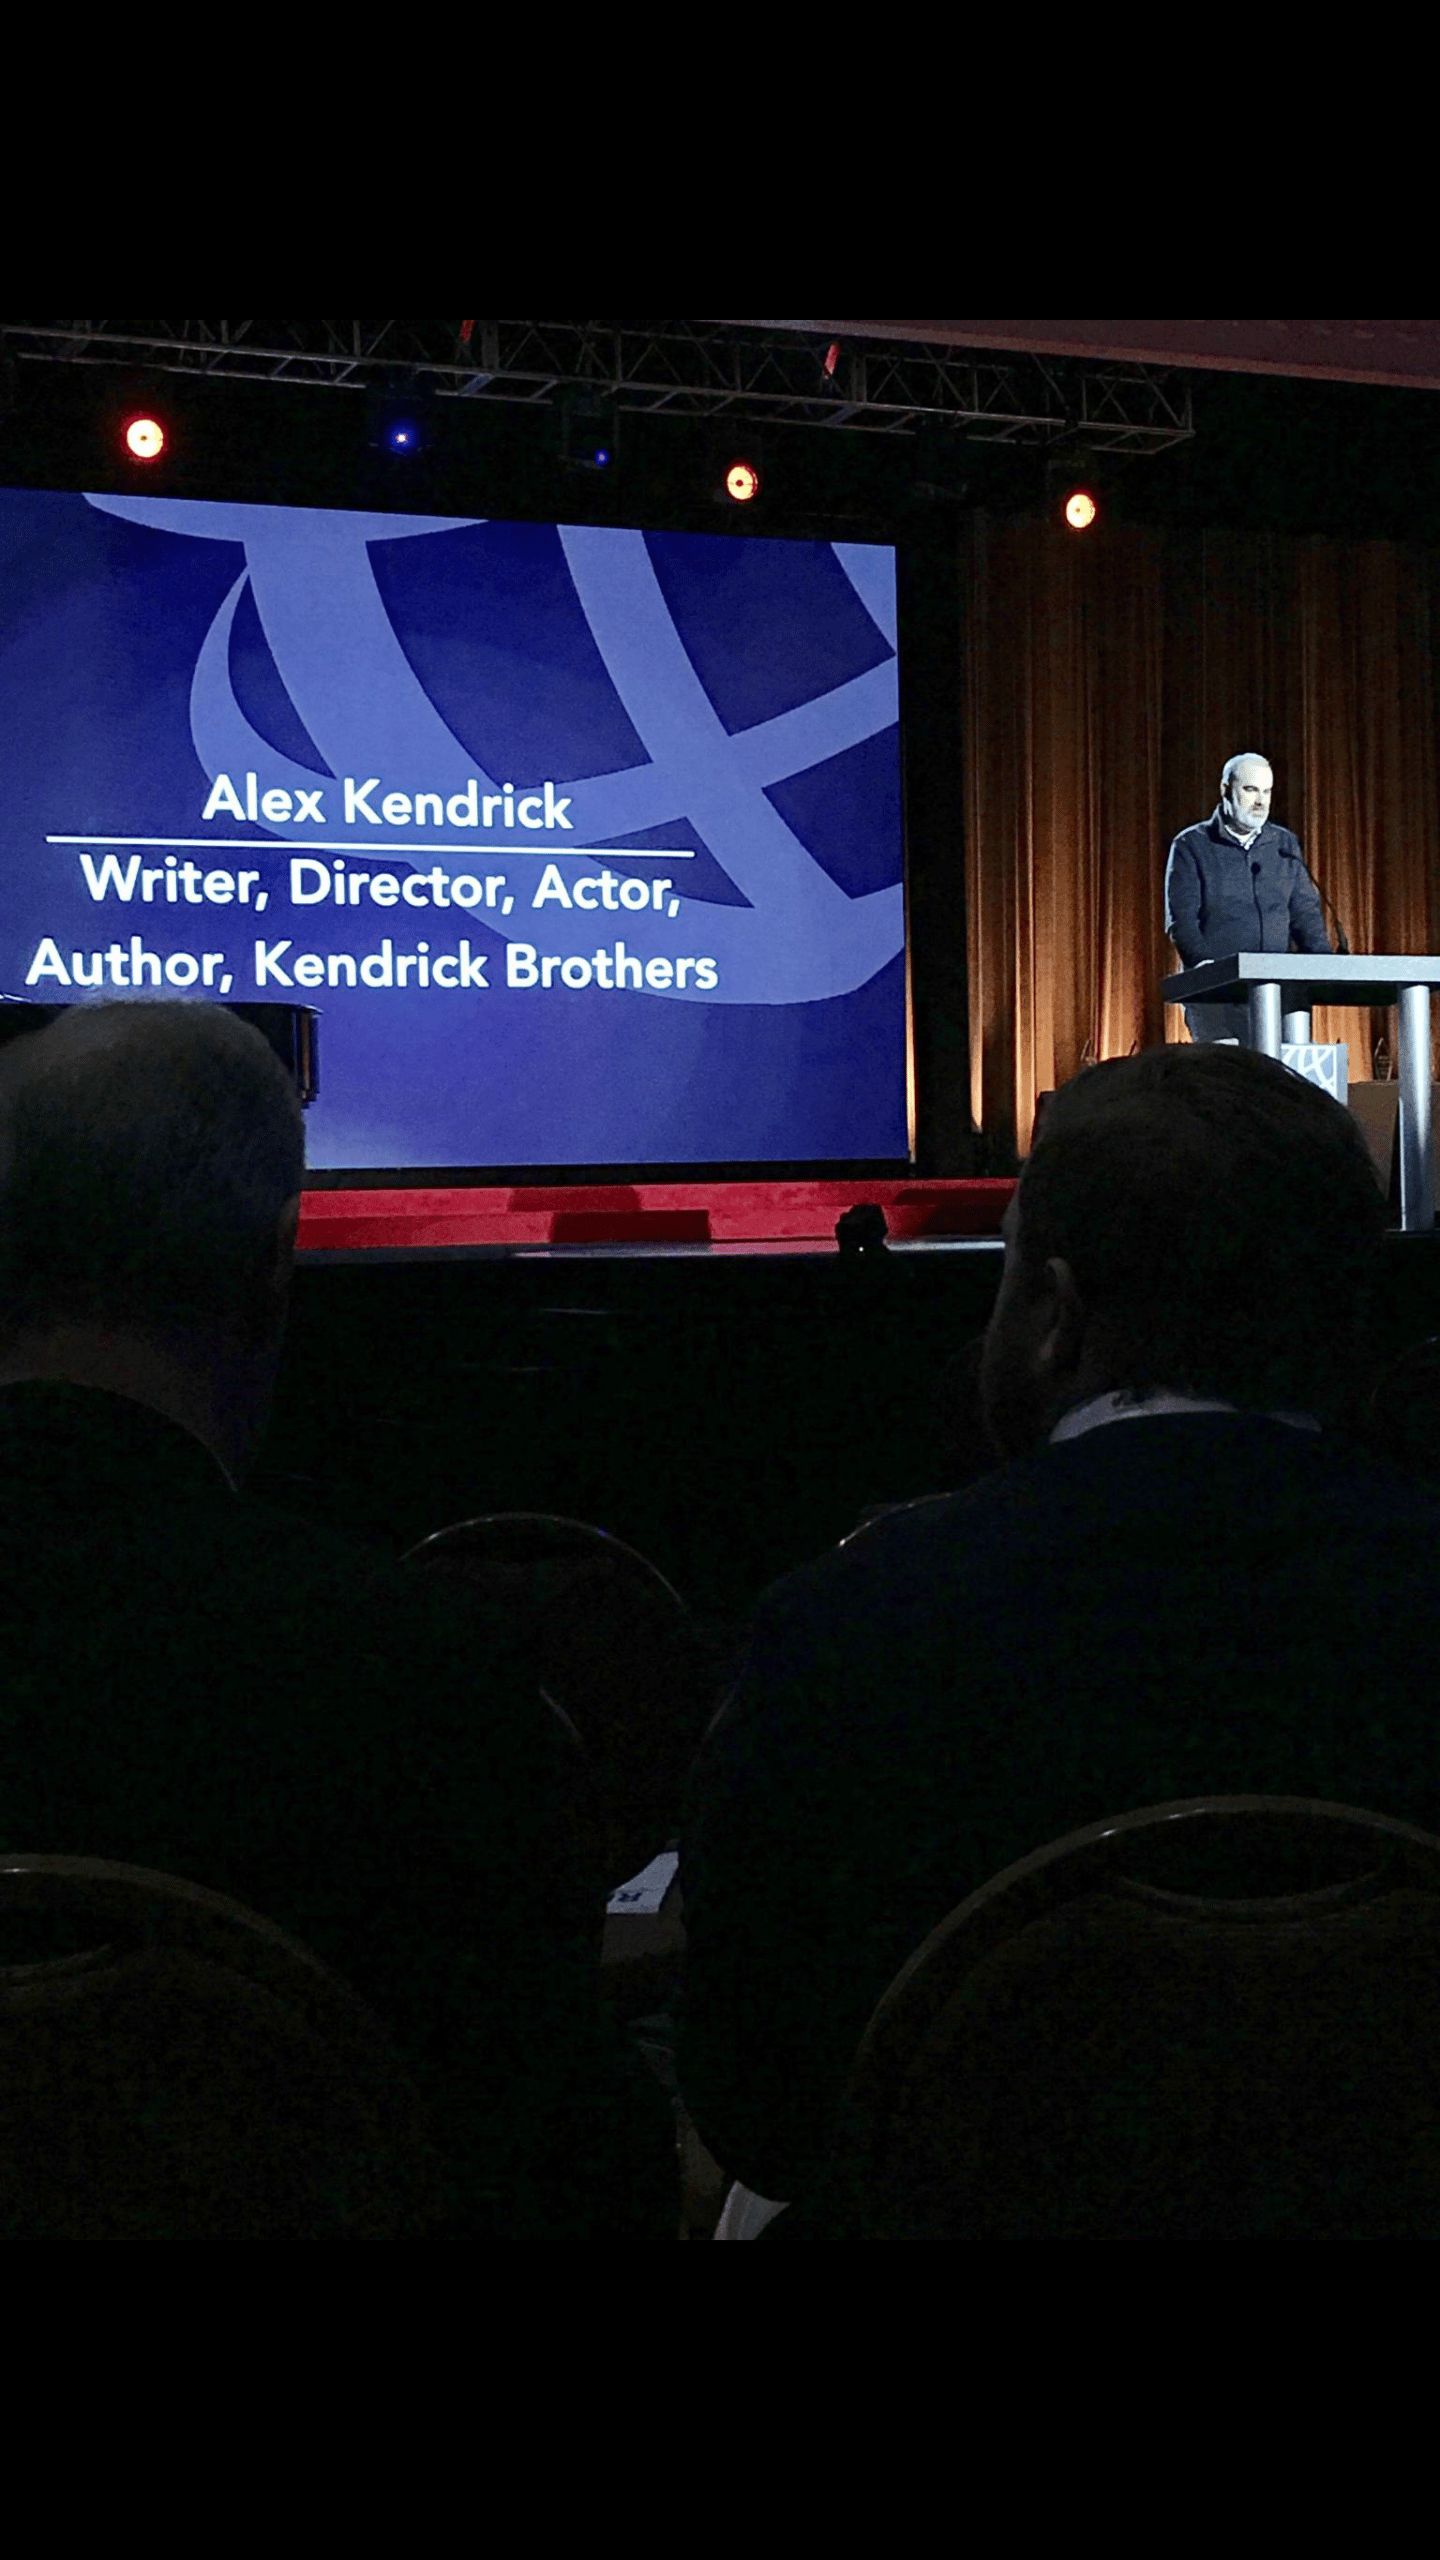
(892, 1540)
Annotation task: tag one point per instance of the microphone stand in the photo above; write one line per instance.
(1320, 894)
(1345, 952)
(1329, 910)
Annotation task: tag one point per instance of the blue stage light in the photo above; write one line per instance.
(585, 427)
(400, 417)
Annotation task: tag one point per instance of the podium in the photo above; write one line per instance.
(1280, 988)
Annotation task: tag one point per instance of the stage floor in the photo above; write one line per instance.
(761, 1248)
(646, 1220)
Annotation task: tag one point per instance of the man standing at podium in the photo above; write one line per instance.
(1237, 883)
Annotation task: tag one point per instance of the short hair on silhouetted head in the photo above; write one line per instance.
(1222, 1219)
(147, 1152)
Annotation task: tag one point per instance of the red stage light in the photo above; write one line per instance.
(144, 439)
(742, 483)
(1080, 510)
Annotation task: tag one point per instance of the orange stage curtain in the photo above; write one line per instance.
(1107, 679)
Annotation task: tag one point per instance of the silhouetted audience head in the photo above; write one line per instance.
(151, 1160)
(862, 1229)
(1197, 1220)
(967, 1450)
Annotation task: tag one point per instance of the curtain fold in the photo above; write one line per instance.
(1105, 683)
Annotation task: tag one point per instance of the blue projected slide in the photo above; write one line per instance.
(586, 843)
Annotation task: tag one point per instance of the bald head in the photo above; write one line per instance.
(147, 1156)
(1246, 786)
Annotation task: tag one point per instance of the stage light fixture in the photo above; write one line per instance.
(144, 439)
(1079, 489)
(943, 465)
(585, 425)
(399, 417)
(742, 483)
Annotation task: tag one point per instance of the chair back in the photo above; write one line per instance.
(890, 1511)
(1213, 2019)
(186, 2071)
(616, 1651)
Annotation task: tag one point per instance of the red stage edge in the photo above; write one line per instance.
(645, 1213)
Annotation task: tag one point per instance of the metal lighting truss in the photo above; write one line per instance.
(678, 368)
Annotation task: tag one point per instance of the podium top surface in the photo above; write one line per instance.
(1355, 977)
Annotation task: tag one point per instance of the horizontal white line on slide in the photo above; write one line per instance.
(288, 844)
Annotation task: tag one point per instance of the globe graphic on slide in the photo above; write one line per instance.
(798, 938)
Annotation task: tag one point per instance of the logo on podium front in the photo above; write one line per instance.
(1326, 1063)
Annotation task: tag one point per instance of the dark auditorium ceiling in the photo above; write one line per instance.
(1404, 353)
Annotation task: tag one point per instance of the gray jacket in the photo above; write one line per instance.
(1222, 897)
